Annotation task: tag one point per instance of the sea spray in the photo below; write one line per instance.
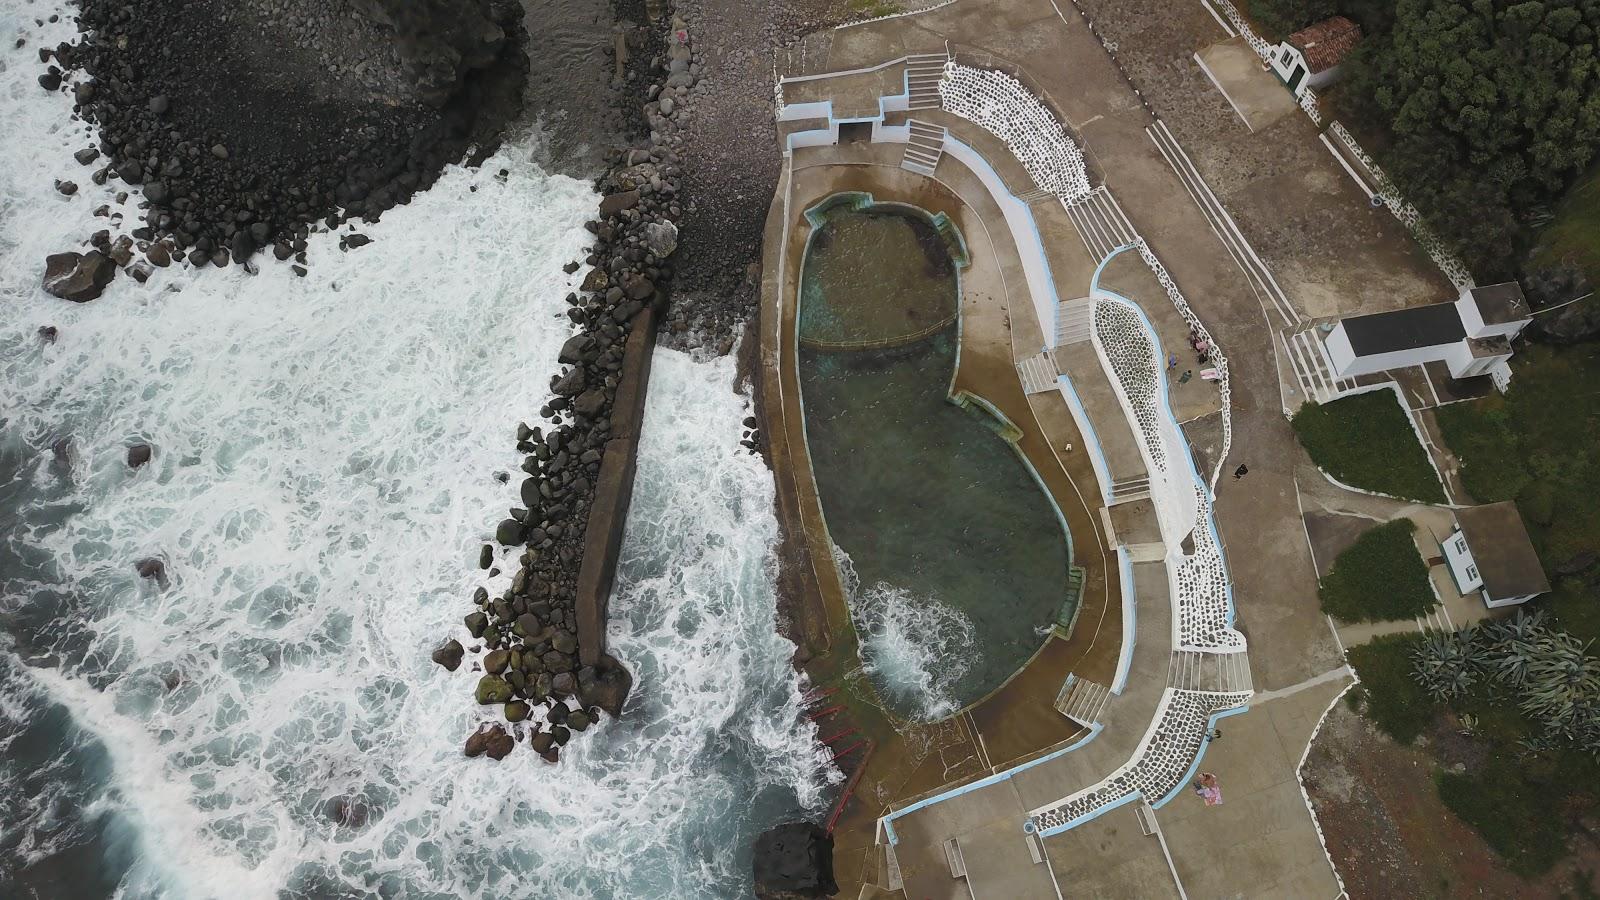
(915, 649)
(269, 724)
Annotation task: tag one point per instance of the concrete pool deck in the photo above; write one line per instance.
(1271, 844)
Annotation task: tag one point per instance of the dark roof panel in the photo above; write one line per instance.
(1502, 551)
(1404, 329)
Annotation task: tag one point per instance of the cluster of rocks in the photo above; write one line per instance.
(249, 124)
(531, 666)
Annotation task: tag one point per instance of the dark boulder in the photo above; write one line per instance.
(138, 455)
(573, 350)
(449, 654)
(637, 287)
(605, 686)
(579, 720)
(792, 861)
(490, 739)
(493, 689)
(517, 710)
(615, 203)
(496, 661)
(152, 568)
(569, 385)
(509, 532)
(476, 623)
(590, 403)
(485, 556)
(79, 277)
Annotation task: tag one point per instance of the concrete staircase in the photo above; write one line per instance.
(1192, 670)
(1038, 373)
(923, 73)
(1101, 223)
(924, 149)
(1082, 700)
(1313, 371)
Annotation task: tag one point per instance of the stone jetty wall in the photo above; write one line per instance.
(544, 662)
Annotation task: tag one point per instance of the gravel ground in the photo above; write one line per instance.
(732, 161)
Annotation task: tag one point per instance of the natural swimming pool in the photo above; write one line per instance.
(960, 561)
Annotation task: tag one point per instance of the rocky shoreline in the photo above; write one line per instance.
(542, 641)
(241, 145)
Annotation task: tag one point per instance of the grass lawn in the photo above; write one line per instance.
(1395, 702)
(1574, 235)
(1379, 578)
(1536, 445)
(1367, 442)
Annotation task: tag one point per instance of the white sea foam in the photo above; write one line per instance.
(321, 483)
(915, 649)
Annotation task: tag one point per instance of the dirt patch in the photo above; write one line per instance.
(1389, 834)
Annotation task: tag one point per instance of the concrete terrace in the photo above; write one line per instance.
(1095, 436)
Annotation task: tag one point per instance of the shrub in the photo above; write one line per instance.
(1367, 442)
(1380, 577)
(1396, 703)
(1535, 446)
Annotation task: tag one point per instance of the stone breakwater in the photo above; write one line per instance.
(249, 124)
(542, 642)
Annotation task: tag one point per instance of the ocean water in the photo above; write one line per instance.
(269, 723)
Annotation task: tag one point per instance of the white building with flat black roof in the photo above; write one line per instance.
(1471, 335)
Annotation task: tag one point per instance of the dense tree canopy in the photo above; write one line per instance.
(1493, 107)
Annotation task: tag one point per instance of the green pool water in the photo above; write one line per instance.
(961, 559)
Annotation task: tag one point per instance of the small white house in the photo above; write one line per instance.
(1490, 553)
(1470, 335)
(1312, 57)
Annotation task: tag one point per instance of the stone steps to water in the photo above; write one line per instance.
(1038, 373)
(1082, 700)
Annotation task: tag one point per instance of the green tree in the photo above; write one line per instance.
(1493, 108)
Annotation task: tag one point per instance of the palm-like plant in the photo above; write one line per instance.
(1445, 665)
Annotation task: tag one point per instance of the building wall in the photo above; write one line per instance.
(1284, 60)
(1347, 365)
(1459, 557)
(1325, 77)
(1476, 327)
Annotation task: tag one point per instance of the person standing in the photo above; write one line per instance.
(1241, 472)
